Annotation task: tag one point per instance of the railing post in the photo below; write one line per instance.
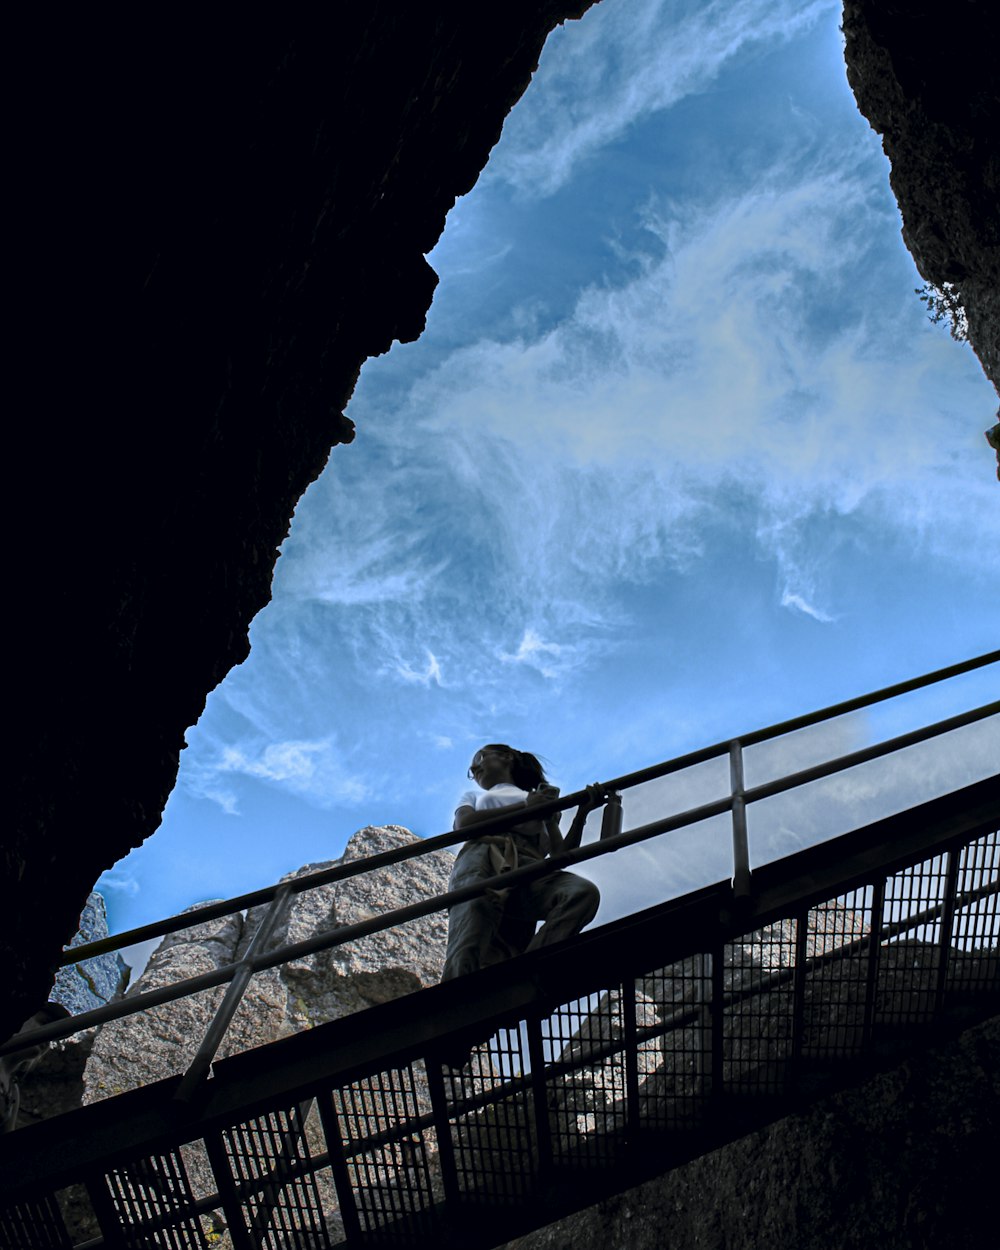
(947, 926)
(874, 956)
(741, 843)
(539, 1098)
(208, 1049)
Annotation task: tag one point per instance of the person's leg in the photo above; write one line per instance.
(565, 903)
(472, 926)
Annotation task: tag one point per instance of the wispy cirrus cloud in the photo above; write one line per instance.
(627, 61)
(753, 355)
(314, 770)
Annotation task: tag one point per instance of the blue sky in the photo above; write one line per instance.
(678, 455)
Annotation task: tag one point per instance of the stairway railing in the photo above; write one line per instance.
(485, 1106)
(277, 896)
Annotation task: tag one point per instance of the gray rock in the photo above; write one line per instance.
(82, 987)
(161, 1042)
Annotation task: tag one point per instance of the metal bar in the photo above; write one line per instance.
(874, 752)
(104, 1209)
(717, 1023)
(866, 700)
(947, 926)
(442, 1126)
(216, 1031)
(270, 1187)
(874, 954)
(338, 1166)
(115, 1011)
(322, 1080)
(228, 1196)
(799, 992)
(741, 844)
(348, 933)
(631, 1039)
(539, 1100)
(341, 872)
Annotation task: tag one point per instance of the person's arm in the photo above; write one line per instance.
(560, 842)
(466, 816)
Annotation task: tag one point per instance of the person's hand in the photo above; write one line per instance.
(597, 796)
(543, 794)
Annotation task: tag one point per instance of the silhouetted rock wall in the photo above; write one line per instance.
(218, 220)
(221, 217)
(903, 1162)
(925, 76)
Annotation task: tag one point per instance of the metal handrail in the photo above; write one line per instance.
(734, 802)
(340, 872)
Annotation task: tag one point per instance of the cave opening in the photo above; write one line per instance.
(678, 453)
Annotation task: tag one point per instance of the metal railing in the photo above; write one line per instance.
(258, 958)
(588, 1066)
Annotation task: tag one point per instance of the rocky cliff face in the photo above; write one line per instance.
(161, 1042)
(82, 987)
(925, 77)
(220, 221)
(902, 1162)
(54, 1083)
(137, 1050)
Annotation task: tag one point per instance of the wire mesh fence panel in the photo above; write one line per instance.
(836, 976)
(906, 987)
(975, 936)
(586, 1091)
(391, 1149)
(758, 1013)
(155, 1205)
(37, 1223)
(492, 1120)
(673, 1026)
(287, 1198)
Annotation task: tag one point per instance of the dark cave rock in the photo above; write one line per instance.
(215, 224)
(925, 77)
(900, 1161)
(219, 222)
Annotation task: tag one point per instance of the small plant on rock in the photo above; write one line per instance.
(944, 303)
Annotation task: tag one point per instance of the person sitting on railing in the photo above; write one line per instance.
(501, 923)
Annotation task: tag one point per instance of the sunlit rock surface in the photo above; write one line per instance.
(161, 1042)
(83, 987)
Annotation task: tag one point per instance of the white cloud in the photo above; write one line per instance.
(424, 677)
(626, 61)
(535, 653)
(755, 357)
(313, 770)
(118, 882)
(792, 600)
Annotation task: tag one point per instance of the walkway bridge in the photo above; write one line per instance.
(479, 1109)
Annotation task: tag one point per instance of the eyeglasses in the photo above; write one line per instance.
(477, 761)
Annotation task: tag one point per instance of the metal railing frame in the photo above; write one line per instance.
(248, 1084)
(258, 959)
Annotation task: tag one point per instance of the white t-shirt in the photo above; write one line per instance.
(501, 795)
